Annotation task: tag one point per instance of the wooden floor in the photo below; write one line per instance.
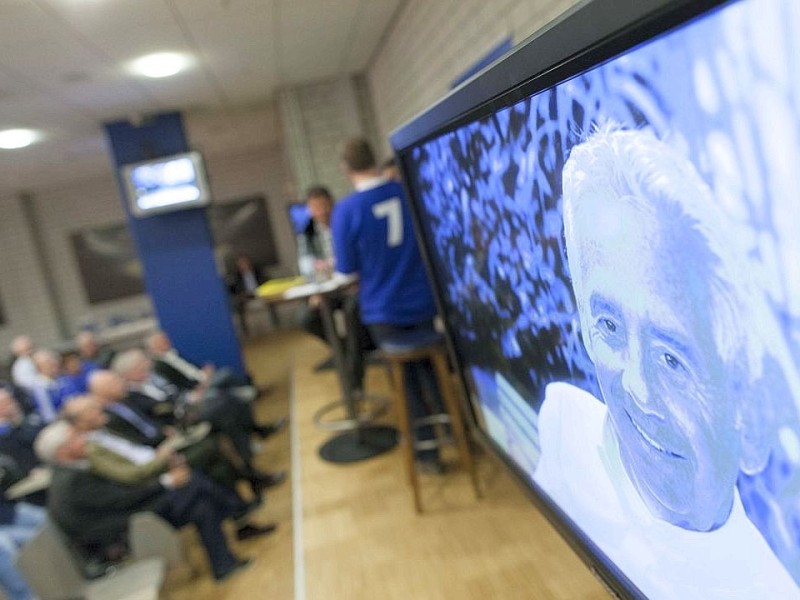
(358, 536)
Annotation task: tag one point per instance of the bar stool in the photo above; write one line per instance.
(419, 346)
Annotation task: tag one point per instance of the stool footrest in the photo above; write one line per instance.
(437, 419)
(433, 444)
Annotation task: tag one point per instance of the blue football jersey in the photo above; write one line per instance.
(373, 236)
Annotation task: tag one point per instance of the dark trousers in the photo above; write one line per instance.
(205, 505)
(422, 392)
(205, 456)
(232, 417)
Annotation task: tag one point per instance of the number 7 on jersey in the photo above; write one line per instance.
(390, 209)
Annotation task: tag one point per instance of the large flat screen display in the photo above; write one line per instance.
(614, 238)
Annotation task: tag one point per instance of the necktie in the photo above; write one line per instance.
(131, 417)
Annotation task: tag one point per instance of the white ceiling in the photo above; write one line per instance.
(63, 65)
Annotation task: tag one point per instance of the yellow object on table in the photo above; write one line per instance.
(278, 286)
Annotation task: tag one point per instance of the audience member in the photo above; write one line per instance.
(123, 420)
(19, 523)
(93, 355)
(23, 370)
(373, 236)
(178, 371)
(72, 379)
(93, 510)
(169, 405)
(47, 391)
(18, 432)
(243, 285)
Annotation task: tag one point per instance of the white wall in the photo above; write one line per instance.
(244, 157)
(23, 294)
(433, 41)
(317, 118)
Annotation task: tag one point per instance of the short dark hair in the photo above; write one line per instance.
(315, 191)
(357, 155)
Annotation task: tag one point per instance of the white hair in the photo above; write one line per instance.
(125, 361)
(50, 440)
(633, 166)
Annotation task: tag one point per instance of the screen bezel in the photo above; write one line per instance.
(584, 37)
(202, 183)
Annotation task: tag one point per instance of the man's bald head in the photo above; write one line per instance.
(107, 386)
(85, 413)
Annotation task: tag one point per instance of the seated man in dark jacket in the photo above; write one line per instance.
(168, 405)
(19, 522)
(178, 371)
(17, 432)
(93, 511)
(206, 455)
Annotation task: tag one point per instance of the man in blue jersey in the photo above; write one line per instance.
(373, 236)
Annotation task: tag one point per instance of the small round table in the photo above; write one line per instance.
(356, 439)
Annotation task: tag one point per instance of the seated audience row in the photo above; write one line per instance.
(111, 440)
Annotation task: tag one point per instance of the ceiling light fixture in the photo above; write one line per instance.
(160, 64)
(12, 139)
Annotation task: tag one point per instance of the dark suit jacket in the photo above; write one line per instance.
(120, 425)
(162, 412)
(236, 283)
(173, 375)
(93, 511)
(313, 241)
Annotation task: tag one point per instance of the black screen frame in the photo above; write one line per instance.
(584, 37)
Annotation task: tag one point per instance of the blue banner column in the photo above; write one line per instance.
(177, 253)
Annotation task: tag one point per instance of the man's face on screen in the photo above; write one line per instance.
(644, 307)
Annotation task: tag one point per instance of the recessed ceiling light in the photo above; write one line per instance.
(11, 139)
(160, 64)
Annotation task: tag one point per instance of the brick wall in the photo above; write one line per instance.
(433, 41)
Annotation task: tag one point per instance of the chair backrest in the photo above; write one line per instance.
(152, 537)
(48, 566)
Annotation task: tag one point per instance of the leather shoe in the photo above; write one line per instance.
(247, 509)
(263, 481)
(246, 532)
(271, 428)
(238, 565)
(326, 365)
(265, 390)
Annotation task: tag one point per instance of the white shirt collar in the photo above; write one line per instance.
(371, 183)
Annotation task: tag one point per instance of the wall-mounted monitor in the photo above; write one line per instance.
(610, 220)
(166, 184)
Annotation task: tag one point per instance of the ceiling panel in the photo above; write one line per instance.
(126, 44)
(62, 68)
(109, 98)
(192, 10)
(20, 19)
(57, 60)
(315, 37)
(93, 16)
(374, 18)
(186, 90)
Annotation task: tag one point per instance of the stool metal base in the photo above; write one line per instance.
(369, 407)
(358, 445)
